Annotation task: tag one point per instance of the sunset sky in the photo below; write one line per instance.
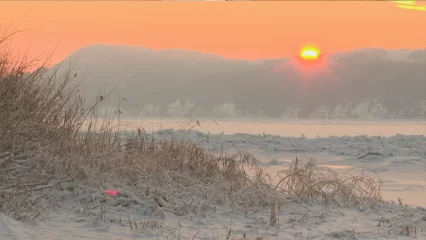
(249, 30)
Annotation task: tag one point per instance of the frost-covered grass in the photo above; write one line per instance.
(51, 161)
(42, 147)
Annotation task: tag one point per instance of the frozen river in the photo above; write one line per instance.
(309, 128)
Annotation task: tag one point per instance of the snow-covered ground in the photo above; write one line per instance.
(389, 221)
(345, 146)
(400, 160)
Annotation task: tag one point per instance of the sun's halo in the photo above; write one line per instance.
(309, 53)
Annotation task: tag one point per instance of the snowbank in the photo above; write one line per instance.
(359, 146)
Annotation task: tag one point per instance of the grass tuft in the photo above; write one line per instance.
(48, 138)
(311, 182)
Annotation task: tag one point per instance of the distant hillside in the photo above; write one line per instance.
(367, 84)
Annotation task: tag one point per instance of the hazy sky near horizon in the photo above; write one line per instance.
(249, 30)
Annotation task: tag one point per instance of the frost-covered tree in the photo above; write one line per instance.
(150, 110)
(177, 109)
(291, 112)
(226, 110)
(370, 108)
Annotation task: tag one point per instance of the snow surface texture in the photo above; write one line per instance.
(398, 145)
(400, 159)
(86, 214)
(81, 212)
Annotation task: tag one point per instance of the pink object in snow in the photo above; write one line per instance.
(111, 192)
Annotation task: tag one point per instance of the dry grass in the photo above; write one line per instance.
(354, 186)
(42, 118)
(39, 116)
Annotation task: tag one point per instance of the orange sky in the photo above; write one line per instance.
(250, 30)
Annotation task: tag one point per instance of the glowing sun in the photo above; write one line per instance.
(309, 53)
